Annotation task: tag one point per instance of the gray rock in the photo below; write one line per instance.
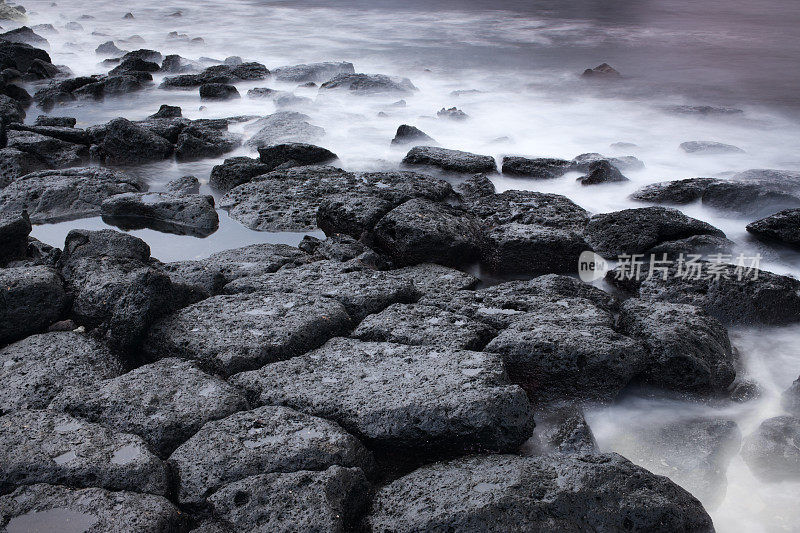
(424, 325)
(773, 451)
(499, 493)
(636, 231)
(422, 231)
(11, 110)
(232, 333)
(452, 113)
(236, 171)
(134, 65)
(15, 163)
(562, 430)
(675, 192)
(782, 227)
(529, 207)
(369, 84)
(531, 249)
(353, 214)
(108, 48)
(477, 186)
(696, 244)
(687, 349)
(183, 186)
(765, 298)
(52, 508)
(401, 398)
(750, 199)
(68, 134)
(284, 127)
(450, 160)
(584, 162)
(19, 56)
(262, 92)
(165, 402)
(602, 172)
(703, 110)
(218, 91)
(361, 292)
(539, 168)
(35, 369)
(32, 299)
(294, 155)
(167, 111)
(603, 71)
(709, 147)
(317, 72)
(184, 215)
(332, 500)
(122, 142)
(51, 447)
(24, 35)
(266, 440)
(791, 399)
(54, 152)
(409, 134)
(431, 279)
(202, 139)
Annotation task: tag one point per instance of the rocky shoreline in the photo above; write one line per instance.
(368, 381)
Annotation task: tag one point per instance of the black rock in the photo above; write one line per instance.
(531, 249)
(262, 92)
(232, 333)
(709, 147)
(35, 506)
(477, 186)
(145, 55)
(696, 244)
(562, 430)
(19, 56)
(33, 298)
(602, 71)
(636, 231)
(180, 214)
(134, 64)
(218, 91)
(58, 195)
(431, 280)
(236, 171)
(122, 142)
(539, 168)
(409, 134)
(424, 325)
(24, 35)
(315, 72)
(59, 122)
(675, 192)
(584, 162)
(165, 402)
(750, 199)
(688, 350)
(54, 152)
(450, 160)
(602, 172)
(14, 231)
(529, 207)
(452, 113)
(332, 500)
(262, 441)
(352, 214)
(361, 292)
(773, 451)
(498, 493)
(200, 140)
(370, 84)
(422, 231)
(406, 399)
(782, 227)
(11, 110)
(294, 155)
(183, 186)
(47, 447)
(37, 368)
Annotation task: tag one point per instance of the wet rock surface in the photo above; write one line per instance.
(47, 446)
(35, 369)
(316, 72)
(773, 451)
(370, 84)
(504, 492)
(184, 215)
(262, 441)
(782, 227)
(450, 160)
(165, 402)
(398, 397)
(539, 168)
(33, 298)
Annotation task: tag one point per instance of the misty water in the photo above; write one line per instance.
(520, 62)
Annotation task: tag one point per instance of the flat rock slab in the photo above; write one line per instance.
(52, 447)
(33, 298)
(424, 325)
(59, 195)
(232, 333)
(636, 231)
(184, 215)
(677, 192)
(531, 249)
(34, 370)
(537, 168)
(331, 500)
(430, 278)
(262, 441)
(317, 72)
(709, 147)
(399, 397)
(773, 450)
(688, 350)
(369, 84)
(450, 160)
(284, 127)
(528, 207)
(500, 493)
(55, 508)
(361, 292)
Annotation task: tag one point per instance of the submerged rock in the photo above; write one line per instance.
(675, 192)
(791, 398)
(51, 447)
(407, 400)
(370, 84)
(165, 402)
(91, 509)
(499, 493)
(450, 160)
(709, 147)
(35, 369)
(331, 500)
(782, 227)
(184, 215)
(602, 71)
(284, 127)
(409, 134)
(262, 441)
(773, 451)
(315, 72)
